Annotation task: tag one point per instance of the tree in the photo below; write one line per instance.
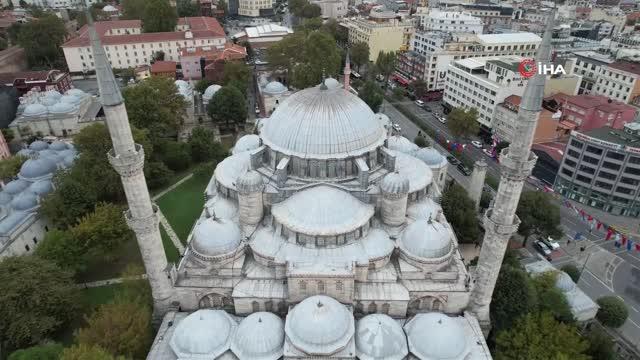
(236, 74)
(572, 271)
(51, 351)
(600, 344)
(13, 31)
(202, 85)
(296, 6)
(61, 248)
(157, 174)
(613, 312)
(386, 65)
(133, 9)
(485, 200)
(103, 230)
(121, 328)
(398, 93)
(36, 299)
(514, 296)
(222, 5)
(203, 148)
(372, 95)
(419, 88)
(539, 336)
(551, 299)
(87, 352)
(421, 141)
(228, 105)
(41, 39)
(186, 8)
(159, 16)
(311, 24)
(359, 53)
(460, 211)
(463, 123)
(10, 167)
(70, 200)
(538, 215)
(176, 155)
(311, 11)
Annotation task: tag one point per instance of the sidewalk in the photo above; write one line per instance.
(625, 224)
(99, 283)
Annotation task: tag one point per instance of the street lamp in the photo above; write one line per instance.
(584, 265)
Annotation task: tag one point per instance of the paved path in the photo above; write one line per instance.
(99, 283)
(178, 183)
(172, 234)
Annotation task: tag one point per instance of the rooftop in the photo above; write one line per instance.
(515, 38)
(628, 66)
(29, 76)
(163, 67)
(614, 136)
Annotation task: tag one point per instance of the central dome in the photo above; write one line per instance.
(321, 123)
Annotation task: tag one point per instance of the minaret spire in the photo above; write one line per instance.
(127, 158)
(517, 161)
(347, 72)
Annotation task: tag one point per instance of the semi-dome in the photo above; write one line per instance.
(426, 239)
(62, 108)
(401, 144)
(564, 282)
(260, 336)
(41, 187)
(5, 198)
(58, 146)
(322, 211)
(250, 181)
(24, 201)
(68, 161)
(246, 143)
(38, 167)
(53, 94)
(323, 123)
(48, 101)
(436, 336)
(424, 209)
(215, 236)
(71, 99)
(35, 110)
(378, 337)
(430, 156)
(185, 89)
(210, 91)
(394, 183)
(15, 186)
(319, 325)
(274, 88)
(38, 145)
(25, 152)
(204, 334)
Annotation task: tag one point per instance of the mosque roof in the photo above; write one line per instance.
(203, 334)
(394, 183)
(214, 236)
(260, 336)
(275, 88)
(246, 143)
(430, 156)
(436, 336)
(379, 337)
(38, 167)
(426, 239)
(401, 144)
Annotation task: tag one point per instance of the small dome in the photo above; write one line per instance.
(436, 336)
(24, 201)
(203, 334)
(185, 89)
(210, 91)
(246, 143)
(424, 209)
(25, 152)
(62, 108)
(564, 282)
(332, 83)
(77, 92)
(319, 325)
(68, 161)
(380, 337)
(223, 208)
(181, 83)
(15, 186)
(48, 101)
(36, 168)
(430, 156)
(38, 145)
(394, 183)
(5, 198)
(58, 146)
(53, 94)
(41, 187)
(426, 239)
(71, 99)
(215, 236)
(275, 88)
(35, 110)
(260, 336)
(263, 80)
(401, 144)
(251, 181)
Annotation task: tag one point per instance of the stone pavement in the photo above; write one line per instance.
(172, 234)
(99, 283)
(178, 183)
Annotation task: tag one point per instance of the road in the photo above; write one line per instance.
(609, 271)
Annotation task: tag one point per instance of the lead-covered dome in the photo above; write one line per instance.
(319, 325)
(15, 186)
(5, 198)
(246, 143)
(215, 236)
(426, 239)
(58, 146)
(210, 91)
(436, 336)
(35, 110)
(41, 187)
(38, 145)
(394, 183)
(38, 167)
(380, 337)
(430, 156)
(205, 334)
(564, 282)
(71, 99)
(260, 336)
(275, 88)
(24, 201)
(323, 123)
(250, 181)
(401, 144)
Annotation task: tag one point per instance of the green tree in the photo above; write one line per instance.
(613, 312)
(600, 345)
(10, 167)
(485, 200)
(13, 31)
(61, 248)
(421, 141)
(397, 93)
(513, 297)
(36, 299)
(176, 155)
(203, 148)
(187, 8)
(386, 64)
(460, 211)
(359, 53)
(501, 145)
(538, 215)
(463, 123)
(550, 298)
(310, 11)
(87, 352)
(70, 200)
(311, 24)
(41, 39)
(540, 337)
(419, 88)
(572, 271)
(236, 74)
(202, 85)
(121, 328)
(133, 289)
(159, 16)
(296, 6)
(157, 174)
(51, 351)
(228, 105)
(103, 230)
(133, 9)
(371, 95)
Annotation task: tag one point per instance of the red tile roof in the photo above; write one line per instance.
(628, 66)
(163, 67)
(229, 52)
(201, 27)
(513, 99)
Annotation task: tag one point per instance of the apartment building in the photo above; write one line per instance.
(332, 9)
(382, 31)
(588, 65)
(589, 112)
(255, 8)
(549, 126)
(601, 168)
(619, 81)
(493, 16)
(128, 47)
(437, 49)
(452, 21)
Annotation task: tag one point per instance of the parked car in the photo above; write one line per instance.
(542, 249)
(551, 244)
(427, 109)
(442, 119)
(453, 160)
(488, 152)
(477, 144)
(463, 169)
(420, 103)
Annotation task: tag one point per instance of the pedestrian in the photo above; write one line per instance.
(568, 242)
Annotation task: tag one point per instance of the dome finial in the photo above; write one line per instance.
(320, 304)
(323, 86)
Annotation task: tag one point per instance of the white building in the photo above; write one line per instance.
(127, 46)
(254, 8)
(382, 31)
(332, 8)
(263, 36)
(482, 83)
(451, 21)
(55, 4)
(589, 65)
(22, 226)
(620, 81)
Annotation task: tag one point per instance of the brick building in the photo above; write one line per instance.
(43, 80)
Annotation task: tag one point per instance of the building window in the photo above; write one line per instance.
(632, 171)
(634, 160)
(584, 179)
(567, 172)
(615, 155)
(603, 185)
(46, 228)
(576, 143)
(339, 285)
(606, 175)
(624, 190)
(573, 153)
(610, 165)
(570, 162)
(35, 240)
(320, 286)
(594, 150)
(590, 160)
(629, 181)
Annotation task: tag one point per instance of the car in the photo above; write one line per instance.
(397, 128)
(442, 119)
(257, 110)
(419, 103)
(488, 152)
(427, 109)
(463, 169)
(453, 160)
(542, 248)
(477, 144)
(551, 244)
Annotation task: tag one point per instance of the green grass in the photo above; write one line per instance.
(103, 268)
(492, 182)
(173, 256)
(183, 205)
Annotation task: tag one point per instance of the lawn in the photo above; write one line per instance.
(183, 205)
(173, 256)
(103, 268)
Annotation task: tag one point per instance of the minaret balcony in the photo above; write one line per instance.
(495, 226)
(127, 164)
(516, 168)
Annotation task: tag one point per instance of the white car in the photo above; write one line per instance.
(397, 128)
(477, 144)
(419, 103)
(552, 244)
(488, 152)
(442, 119)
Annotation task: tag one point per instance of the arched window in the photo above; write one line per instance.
(372, 308)
(255, 306)
(359, 307)
(385, 308)
(320, 286)
(303, 285)
(437, 305)
(268, 305)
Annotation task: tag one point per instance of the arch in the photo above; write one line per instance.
(268, 305)
(437, 305)
(372, 308)
(359, 308)
(282, 307)
(425, 304)
(215, 301)
(385, 308)
(255, 306)
(320, 286)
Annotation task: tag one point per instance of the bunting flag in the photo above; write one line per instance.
(599, 225)
(609, 234)
(624, 239)
(590, 218)
(637, 246)
(629, 245)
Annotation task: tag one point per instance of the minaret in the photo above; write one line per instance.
(127, 158)
(517, 161)
(347, 72)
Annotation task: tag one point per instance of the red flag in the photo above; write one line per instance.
(624, 240)
(590, 218)
(609, 233)
(599, 225)
(637, 247)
